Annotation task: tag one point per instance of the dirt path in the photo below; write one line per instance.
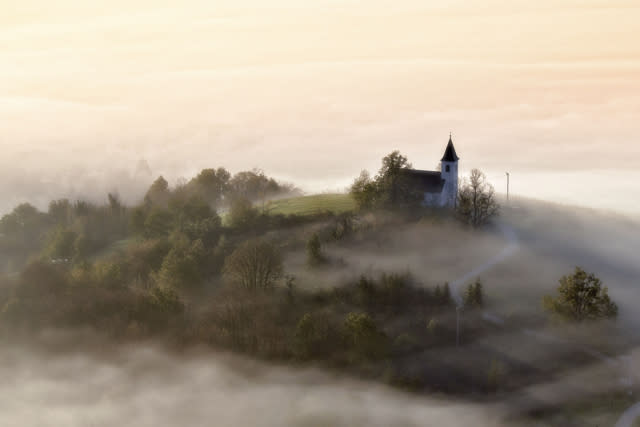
(511, 248)
(630, 415)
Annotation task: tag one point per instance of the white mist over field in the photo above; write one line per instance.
(312, 93)
(149, 387)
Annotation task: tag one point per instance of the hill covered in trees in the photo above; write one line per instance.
(230, 262)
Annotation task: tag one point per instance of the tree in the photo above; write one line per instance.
(254, 265)
(474, 295)
(364, 191)
(254, 185)
(116, 207)
(392, 185)
(182, 266)
(61, 244)
(363, 336)
(158, 193)
(211, 184)
(311, 336)
(390, 188)
(446, 294)
(137, 218)
(81, 247)
(476, 204)
(166, 300)
(60, 212)
(242, 213)
(25, 225)
(158, 223)
(580, 297)
(109, 275)
(314, 251)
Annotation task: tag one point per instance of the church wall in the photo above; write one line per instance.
(433, 200)
(450, 190)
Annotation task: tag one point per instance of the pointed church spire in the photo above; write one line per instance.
(450, 153)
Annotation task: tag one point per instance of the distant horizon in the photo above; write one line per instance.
(314, 93)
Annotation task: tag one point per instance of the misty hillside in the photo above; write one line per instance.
(320, 213)
(371, 286)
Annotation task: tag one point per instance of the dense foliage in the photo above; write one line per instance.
(390, 188)
(172, 268)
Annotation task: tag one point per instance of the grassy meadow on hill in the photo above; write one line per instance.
(312, 204)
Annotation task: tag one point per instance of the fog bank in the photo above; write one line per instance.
(146, 386)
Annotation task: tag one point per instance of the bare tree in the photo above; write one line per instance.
(476, 201)
(254, 265)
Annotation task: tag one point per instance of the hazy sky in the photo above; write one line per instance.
(313, 92)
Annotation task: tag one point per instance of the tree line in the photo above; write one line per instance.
(78, 230)
(391, 188)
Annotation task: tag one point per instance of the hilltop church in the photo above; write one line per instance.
(440, 188)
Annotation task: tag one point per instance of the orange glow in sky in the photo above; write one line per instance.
(548, 90)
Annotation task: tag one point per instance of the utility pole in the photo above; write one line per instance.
(458, 308)
(507, 186)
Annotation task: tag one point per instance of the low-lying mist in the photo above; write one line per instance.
(78, 380)
(147, 386)
(550, 239)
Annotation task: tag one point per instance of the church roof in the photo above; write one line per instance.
(427, 181)
(450, 153)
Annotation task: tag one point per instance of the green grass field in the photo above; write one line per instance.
(308, 205)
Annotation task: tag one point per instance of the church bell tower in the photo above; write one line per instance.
(449, 173)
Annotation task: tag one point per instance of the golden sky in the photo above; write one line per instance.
(312, 92)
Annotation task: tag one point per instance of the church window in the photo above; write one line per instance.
(447, 168)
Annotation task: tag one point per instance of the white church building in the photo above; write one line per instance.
(440, 188)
